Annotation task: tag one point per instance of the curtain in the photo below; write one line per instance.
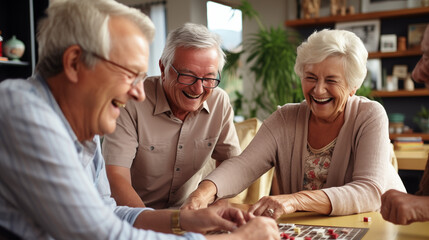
(156, 12)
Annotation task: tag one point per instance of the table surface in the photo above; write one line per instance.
(412, 159)
(379, 229)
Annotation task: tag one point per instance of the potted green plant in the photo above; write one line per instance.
(422, 119)
(271, 54)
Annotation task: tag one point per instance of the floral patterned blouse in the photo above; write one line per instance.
(317, 162)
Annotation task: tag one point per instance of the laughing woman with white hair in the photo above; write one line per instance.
(331, 152)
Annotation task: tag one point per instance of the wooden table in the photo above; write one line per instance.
(379, 229)
(412, 159)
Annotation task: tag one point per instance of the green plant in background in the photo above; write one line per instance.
(422, 119)
(271, 54)
(424, 113)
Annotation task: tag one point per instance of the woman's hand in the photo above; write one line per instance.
(274, 206)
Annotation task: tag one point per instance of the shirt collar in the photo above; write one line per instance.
(86, 149)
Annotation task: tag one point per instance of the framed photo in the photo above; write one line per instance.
(388, 43)
(374, 72)
(415, 34)
(383, 5)
(400, 71)
(368, 31)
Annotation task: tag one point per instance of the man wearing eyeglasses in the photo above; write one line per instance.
(163, 147)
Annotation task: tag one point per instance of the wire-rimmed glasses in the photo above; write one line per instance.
(140, 76)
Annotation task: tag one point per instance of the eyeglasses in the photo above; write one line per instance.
(187, 79)
(140, 76)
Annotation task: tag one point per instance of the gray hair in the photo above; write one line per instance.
(326, 43)
(84, 23)
(191, 35)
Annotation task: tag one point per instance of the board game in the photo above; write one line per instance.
(307, 232)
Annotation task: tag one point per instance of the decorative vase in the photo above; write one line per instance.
(408, 83)
(14, 48)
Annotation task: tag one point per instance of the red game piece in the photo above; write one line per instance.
(330, 231)
(284, 235)
(292, 238)
(307, 238)
(367, 219)
(334, 236)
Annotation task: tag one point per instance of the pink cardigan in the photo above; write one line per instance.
(360, 170)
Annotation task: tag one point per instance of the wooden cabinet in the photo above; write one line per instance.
(19, 18)
(391, 22)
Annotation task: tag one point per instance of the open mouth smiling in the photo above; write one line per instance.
(191, 96)
(321, 100)
(118, 104)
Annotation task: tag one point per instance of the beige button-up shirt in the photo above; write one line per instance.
(169, 157)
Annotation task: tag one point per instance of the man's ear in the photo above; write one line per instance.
(71, 60)
(162, 69)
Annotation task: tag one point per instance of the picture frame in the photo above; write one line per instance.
(382, 5)
(400, 71)
(368, 31)
(388, 43)
(415, 34)
(374, 73)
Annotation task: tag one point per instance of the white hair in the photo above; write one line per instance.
(191, 35)
(84, 23)
(326, 43)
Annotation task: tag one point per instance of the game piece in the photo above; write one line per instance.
(330, 231)
(297, 230)
(284, 235)
(292, 238)
(345, 231)
(334, 235)
(367, 219)
(307, 238)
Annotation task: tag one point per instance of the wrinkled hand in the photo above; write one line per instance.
(256, 229)
(402, 208)
(280, 204)
(194, 202)
(201, 197)
(213, 219)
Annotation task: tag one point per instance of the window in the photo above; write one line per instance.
(227, 23)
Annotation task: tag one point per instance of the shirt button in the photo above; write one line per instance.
(177, 169)
(209, 144)
(180, 146)
(152, 148)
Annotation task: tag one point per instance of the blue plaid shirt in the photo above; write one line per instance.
(51, 185)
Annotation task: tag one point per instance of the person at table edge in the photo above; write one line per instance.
(403, 208)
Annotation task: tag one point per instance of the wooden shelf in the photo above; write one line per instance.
(425, 136)
(17, 63)
(406, 53)
(357, 17)
(401, 93)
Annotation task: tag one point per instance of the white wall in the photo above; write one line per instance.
(180, 11)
